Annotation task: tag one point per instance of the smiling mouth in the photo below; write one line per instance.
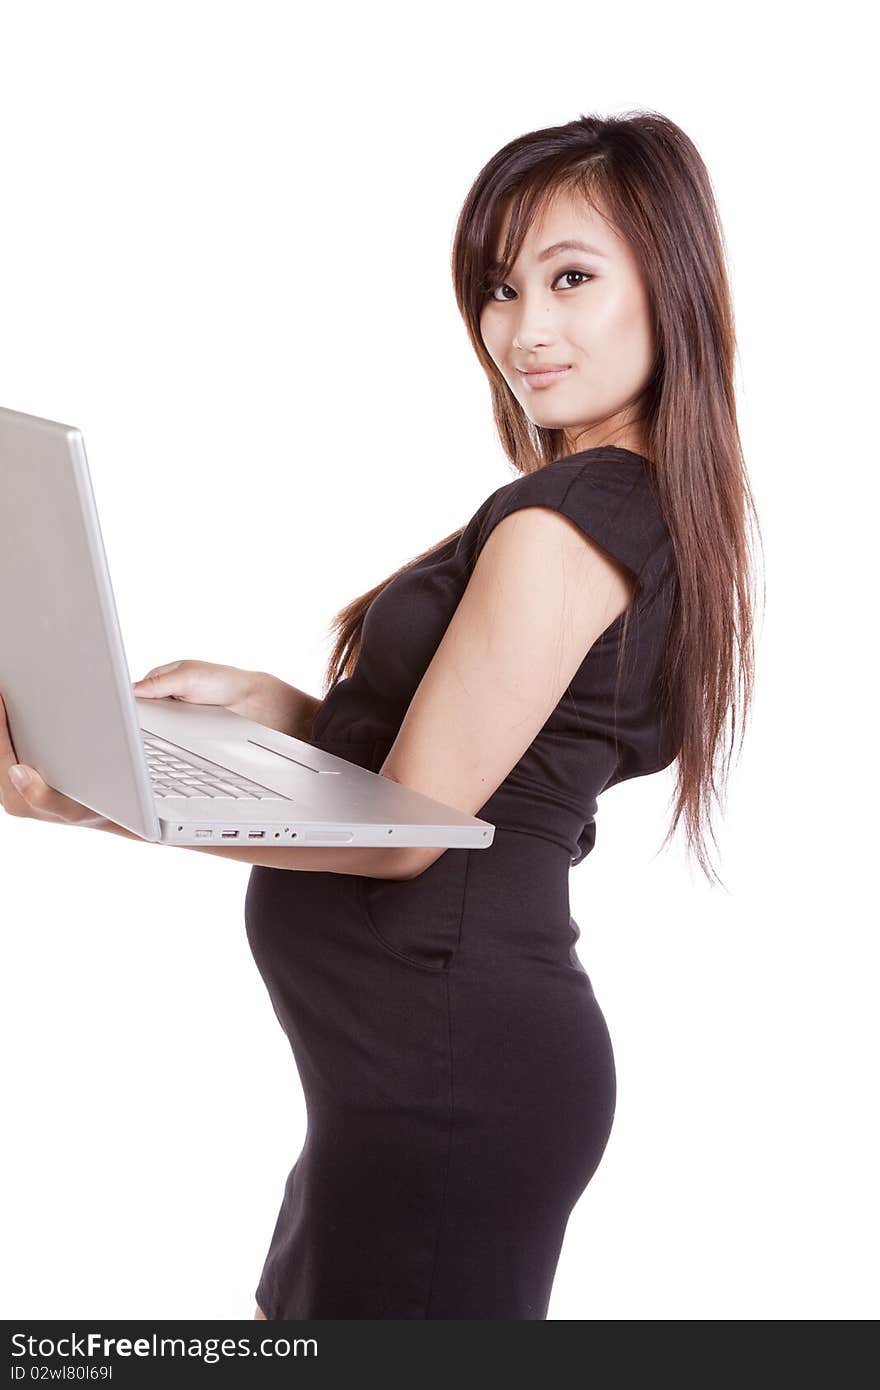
(544, 378)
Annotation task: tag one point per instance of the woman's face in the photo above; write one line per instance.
(585, 311)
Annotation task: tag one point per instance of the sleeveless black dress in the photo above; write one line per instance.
(457, 1069)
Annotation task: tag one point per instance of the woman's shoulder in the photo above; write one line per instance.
(607, 492)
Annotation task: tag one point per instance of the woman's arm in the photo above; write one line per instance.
(283, 707)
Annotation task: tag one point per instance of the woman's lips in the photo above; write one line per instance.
(538, 379)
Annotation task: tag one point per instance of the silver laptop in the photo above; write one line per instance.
(166, 770)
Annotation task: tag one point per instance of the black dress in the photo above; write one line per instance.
(457, 1069)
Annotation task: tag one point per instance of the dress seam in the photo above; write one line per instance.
(463, 908)
(448, 1148)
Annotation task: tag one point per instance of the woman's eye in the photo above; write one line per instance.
(584, 275)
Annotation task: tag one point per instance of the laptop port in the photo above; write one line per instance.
(229, 834)
(256, 834)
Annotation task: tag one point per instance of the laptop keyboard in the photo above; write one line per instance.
(173, 773)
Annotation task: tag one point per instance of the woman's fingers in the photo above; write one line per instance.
(42, 802)
(161, 670)
(13, 800)
(156, 683)
(33, 797)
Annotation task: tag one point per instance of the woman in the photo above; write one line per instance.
(589, 624)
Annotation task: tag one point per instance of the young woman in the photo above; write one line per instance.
(592, 622)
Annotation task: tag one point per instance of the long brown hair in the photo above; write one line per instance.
(649, 177)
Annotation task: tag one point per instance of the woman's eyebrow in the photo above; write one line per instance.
(556, 248)
(569, 246)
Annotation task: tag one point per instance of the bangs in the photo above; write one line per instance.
(525, 204)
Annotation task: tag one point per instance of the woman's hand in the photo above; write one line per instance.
(202, 683)
(252, 694)
(37, 801)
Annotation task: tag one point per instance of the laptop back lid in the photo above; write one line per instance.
(63, 670)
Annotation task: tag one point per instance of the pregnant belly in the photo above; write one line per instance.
(369, 977)
(368, 1030)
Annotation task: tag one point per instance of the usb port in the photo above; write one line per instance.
(256, 834)
(229, 834)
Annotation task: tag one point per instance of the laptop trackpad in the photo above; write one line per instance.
(271, 755)
(258, 760)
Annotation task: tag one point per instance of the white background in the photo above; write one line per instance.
(225, 247)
